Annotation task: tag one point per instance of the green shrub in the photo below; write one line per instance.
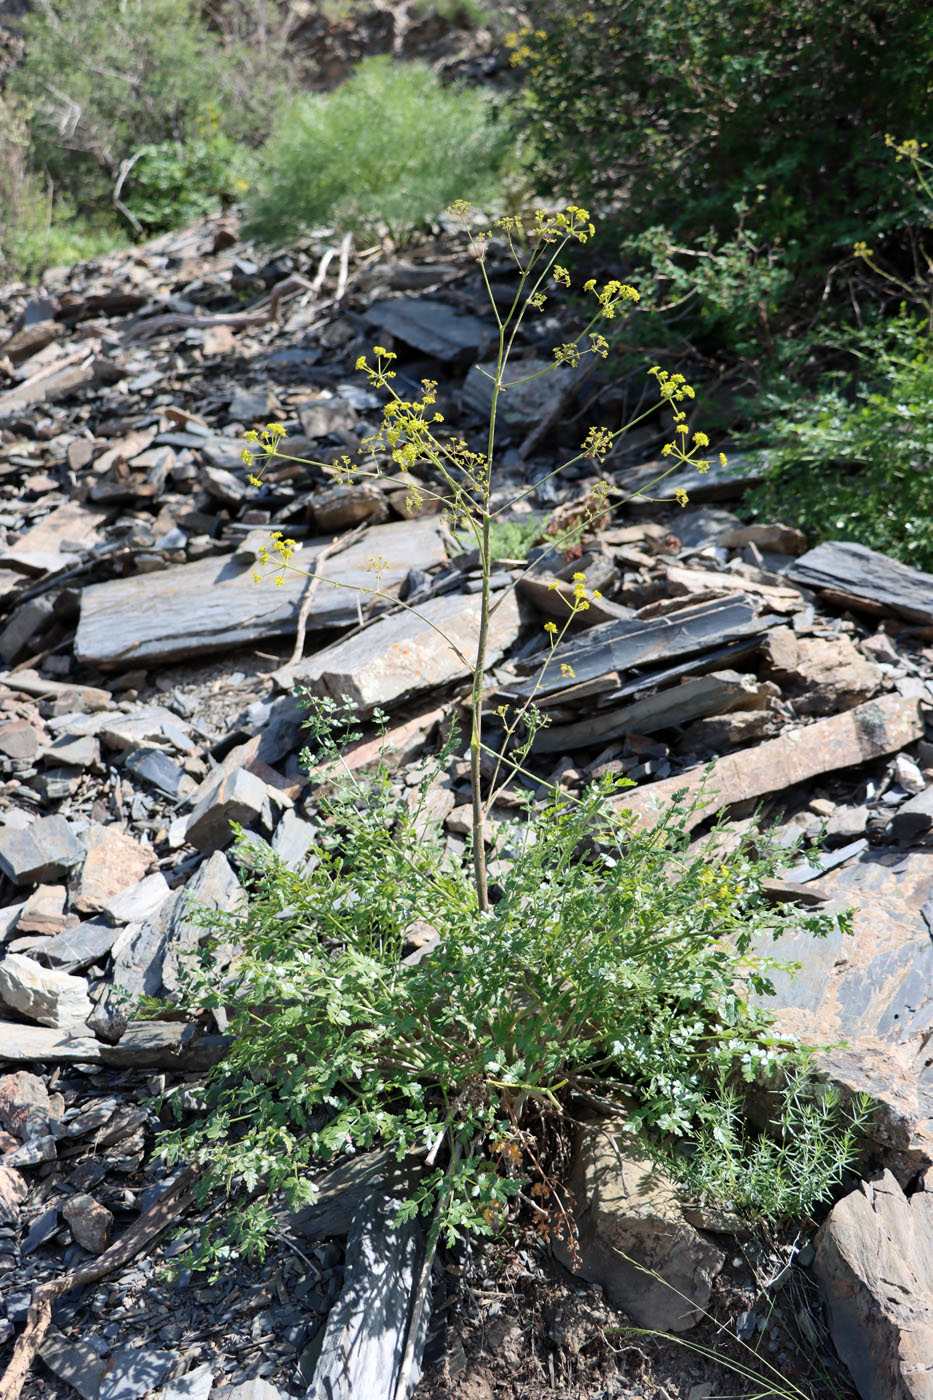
(723, 292)
(616, 962)
(851, 459)
(675, 114)
(36, 231)
(107, 77)
(177, 182)
(388, 149)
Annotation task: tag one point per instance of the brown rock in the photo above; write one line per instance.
(874, 1259)
(25, 1106)
(779, 539)
(12, 1195)
(628, 1215)
(828, 674)
(19, 739)
(114, 862)
(90, 1223)
(44, 912)
(842, 741)
(344, 506)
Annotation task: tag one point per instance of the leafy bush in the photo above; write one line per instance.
(853, 458)
(176, 182)
(723, 292)
(616, 962)
(107, 77)
(388, 149)
(36, 232)
(675, 114)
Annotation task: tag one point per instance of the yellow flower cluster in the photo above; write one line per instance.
(283, 549)
(611, 295)
(264, 444)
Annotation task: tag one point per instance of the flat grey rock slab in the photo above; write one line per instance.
(41, 852)
(863, 575)
(617, 648)
(134, 1371)
(714, 694)
(77, 1363)
(78, 948)
(215, 604)
(364, 1342)
(23, 1045)
(429, 325)
(194, 1385)
(409, 652)
(878, 982)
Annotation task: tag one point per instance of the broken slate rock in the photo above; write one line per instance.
(431, 326)
(155, 767)
(25, 1106)
(406, 654)
(214, 604)
(41, 853)
(828, 674)
(914, 818)
(238, 796)
(879, 727)
(148, 957)
(628, 1214)
(874, 1260)
(91, 1223)
(140, 901)
(194, 1385)
(859, 575)
(134, 1371)
(81, 947)
(76, 1363)
(114, 863)
(45, 995)
(13, 1192)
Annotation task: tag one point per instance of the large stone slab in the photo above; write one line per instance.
(410, 652)
(879, 727)
(429, 325)
(863, 576)
(874, 1260)
(215, 604)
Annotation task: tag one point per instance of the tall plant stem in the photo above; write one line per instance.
(479, 669)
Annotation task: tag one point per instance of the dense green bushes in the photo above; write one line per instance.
(141, 88)
(678, 112)
(388, 150)
(852, 458)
